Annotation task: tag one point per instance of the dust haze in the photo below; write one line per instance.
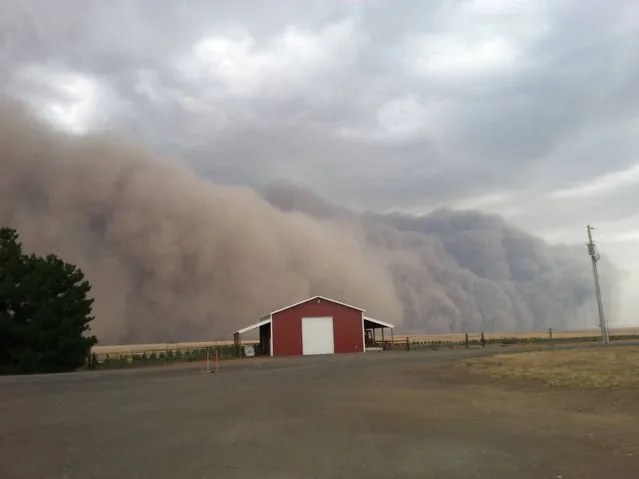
(172, 256)
(461, 271)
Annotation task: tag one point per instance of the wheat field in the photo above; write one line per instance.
(174, 346)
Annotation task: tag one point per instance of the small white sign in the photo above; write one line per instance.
(249, 351)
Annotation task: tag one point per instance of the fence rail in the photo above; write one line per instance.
(482, 340)
(121, 356)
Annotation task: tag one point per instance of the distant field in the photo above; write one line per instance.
(173, 346)
(583, 368)
(577, 333)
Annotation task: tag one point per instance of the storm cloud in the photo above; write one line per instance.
(522, 108)
(171, 255)
(460, 271)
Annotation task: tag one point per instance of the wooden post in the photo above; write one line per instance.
(237, 342)
(549, 333)
(483, 339)
(407, 344)
(467, 342)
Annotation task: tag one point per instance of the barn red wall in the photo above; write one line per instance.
(347, 327)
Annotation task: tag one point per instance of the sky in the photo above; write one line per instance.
(526, 108)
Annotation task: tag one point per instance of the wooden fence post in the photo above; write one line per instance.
(483, 340)
(549, 333)
(407, 344)
(467, 342)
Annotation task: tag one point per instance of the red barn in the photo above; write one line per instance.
(317, 325)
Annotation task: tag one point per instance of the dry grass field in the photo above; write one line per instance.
(138, 348)
(604, 367)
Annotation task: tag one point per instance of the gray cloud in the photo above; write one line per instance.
(375, 104)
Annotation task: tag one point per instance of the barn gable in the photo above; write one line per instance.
(319, 300)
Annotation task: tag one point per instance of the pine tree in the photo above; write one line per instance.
(45, 311)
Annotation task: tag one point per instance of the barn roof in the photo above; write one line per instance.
(317, 297)
(378, 322)
(260, 322)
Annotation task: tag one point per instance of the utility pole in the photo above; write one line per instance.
(594, 255)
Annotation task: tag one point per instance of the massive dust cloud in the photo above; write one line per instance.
(169, 255)
(460, 271)
(172, 256)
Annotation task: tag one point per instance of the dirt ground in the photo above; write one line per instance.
(378, 415)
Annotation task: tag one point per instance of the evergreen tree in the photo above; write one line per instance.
(45, 311)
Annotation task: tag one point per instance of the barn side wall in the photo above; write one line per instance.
(347, 327)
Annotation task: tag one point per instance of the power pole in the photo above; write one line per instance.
(594, 255)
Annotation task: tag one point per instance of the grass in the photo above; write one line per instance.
(591, 368)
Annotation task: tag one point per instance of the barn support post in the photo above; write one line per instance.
(237, 342)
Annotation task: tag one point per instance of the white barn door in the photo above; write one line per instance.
(317, 335)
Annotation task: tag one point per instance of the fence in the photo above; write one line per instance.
(469, 340)
(168, 355)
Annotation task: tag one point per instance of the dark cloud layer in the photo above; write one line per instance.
(542, 76)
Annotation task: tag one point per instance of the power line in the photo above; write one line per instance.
(594, 255)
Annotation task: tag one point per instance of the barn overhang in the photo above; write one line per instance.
(264, 325)
(372, 323)
(264, 320)
(371, 326)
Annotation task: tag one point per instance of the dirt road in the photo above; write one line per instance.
(379, 415)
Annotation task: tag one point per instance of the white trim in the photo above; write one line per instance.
(363, 335)
(253, 326)
(272, 329)
(317, 297)
(376, 321)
